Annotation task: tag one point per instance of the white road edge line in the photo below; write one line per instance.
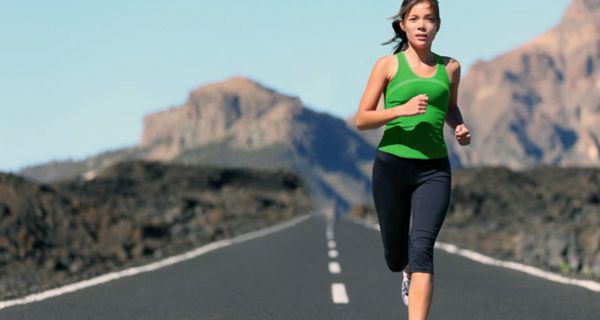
(154, 265)
(481, 258)
(338, 293)
(333, 253)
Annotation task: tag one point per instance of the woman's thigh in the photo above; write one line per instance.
(430, 201)
(392, 188)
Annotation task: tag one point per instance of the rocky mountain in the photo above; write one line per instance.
(131, 213)
(239, 122)
(539, 103)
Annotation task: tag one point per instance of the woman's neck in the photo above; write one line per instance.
(424, 56)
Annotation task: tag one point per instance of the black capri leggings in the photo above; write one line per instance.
(400, 184)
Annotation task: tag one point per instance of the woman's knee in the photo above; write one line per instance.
(421, 256)
(395, 262)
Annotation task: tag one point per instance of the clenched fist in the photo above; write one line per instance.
(415, 106)
(463, 135)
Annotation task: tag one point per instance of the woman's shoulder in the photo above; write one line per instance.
(387, 59)
(449, 61)
(452, 64)
(388, 64)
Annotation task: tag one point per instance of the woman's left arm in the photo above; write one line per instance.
(454, 117)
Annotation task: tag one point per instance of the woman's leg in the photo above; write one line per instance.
(419, 295)
(430, 202)
(392, 197)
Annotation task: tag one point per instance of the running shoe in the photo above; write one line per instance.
(405, 286)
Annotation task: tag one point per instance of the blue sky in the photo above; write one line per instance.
(77, 77)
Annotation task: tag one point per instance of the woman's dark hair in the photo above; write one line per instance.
(400, 37)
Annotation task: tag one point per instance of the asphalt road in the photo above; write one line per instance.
(286, 275)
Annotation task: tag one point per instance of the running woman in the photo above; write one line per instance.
(411, 170)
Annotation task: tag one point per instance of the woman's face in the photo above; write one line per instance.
(420, 25)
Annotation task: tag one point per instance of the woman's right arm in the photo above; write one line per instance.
(368, 117)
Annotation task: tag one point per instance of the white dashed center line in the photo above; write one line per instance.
(334, 267)
(329, 234)
(331, 244)
(338, 290)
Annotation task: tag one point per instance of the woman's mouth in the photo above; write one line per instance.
(421, 37)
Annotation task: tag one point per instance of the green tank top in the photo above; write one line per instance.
(419, 136)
